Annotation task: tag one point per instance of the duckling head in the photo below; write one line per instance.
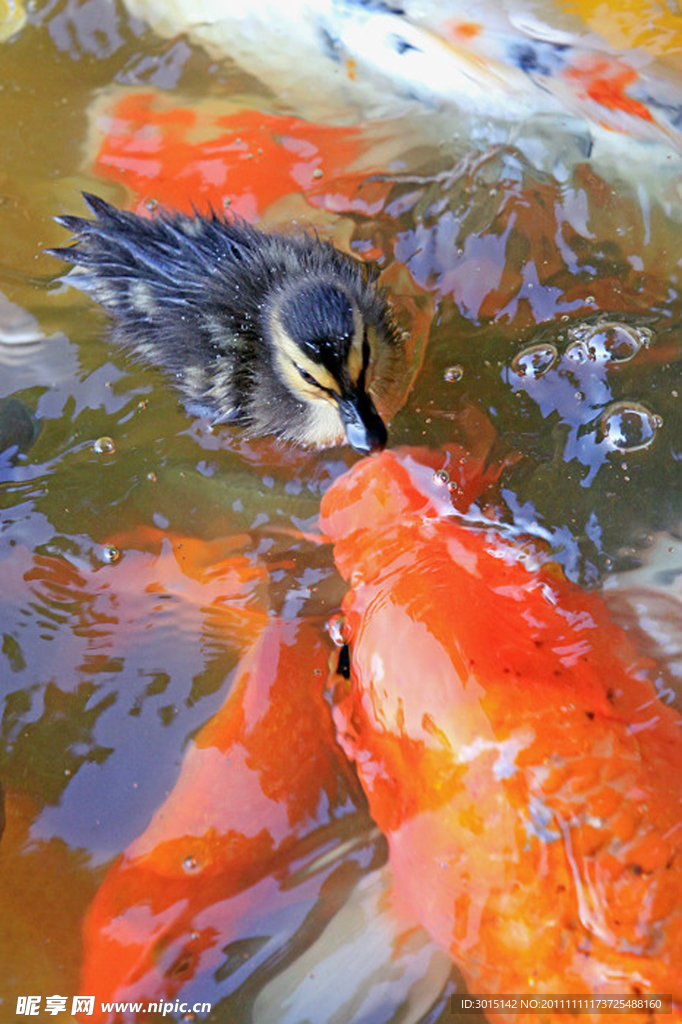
(321, 343)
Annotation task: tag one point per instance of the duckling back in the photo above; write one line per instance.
(168, 282)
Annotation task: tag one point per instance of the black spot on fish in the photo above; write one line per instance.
(343, 667)
(673, 111)
(329, 43)
(376, 5)
(402, 46)
(538, 58)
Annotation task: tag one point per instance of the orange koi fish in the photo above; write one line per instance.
(261, 784)
(261, 791)
(213, 593)
(216, 154)
(219, 579)
(513, 749)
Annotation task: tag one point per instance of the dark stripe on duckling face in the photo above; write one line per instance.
(324, 354)
(319, 317)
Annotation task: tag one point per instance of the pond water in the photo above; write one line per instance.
(541, 290)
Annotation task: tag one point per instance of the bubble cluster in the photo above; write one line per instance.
(607, 342)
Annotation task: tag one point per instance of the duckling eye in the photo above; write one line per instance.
(307, 377)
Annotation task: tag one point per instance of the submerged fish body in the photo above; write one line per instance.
(385, 59)
(513, 749)
(261, 776)
(265, 825)
(18, 427)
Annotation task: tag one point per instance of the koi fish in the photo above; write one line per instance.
(264, 794)
(217, 154)
(215, 593)
(385, 58)
(218, 578)
(203, 616)
(512, 746)
(262, 784)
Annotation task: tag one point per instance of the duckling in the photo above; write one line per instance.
(284, 335)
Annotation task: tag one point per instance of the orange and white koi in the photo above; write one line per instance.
(513, 748)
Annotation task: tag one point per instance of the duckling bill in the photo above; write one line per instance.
(284, 335)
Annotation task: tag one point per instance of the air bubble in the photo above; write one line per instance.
(577, 352)
(190, 864)
(614, 343)
(104, 446)
(453, 374)
(535, 360)
(338, 630)
(628, 426)
(111, 554)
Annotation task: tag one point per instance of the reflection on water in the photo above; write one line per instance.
(142, 553)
